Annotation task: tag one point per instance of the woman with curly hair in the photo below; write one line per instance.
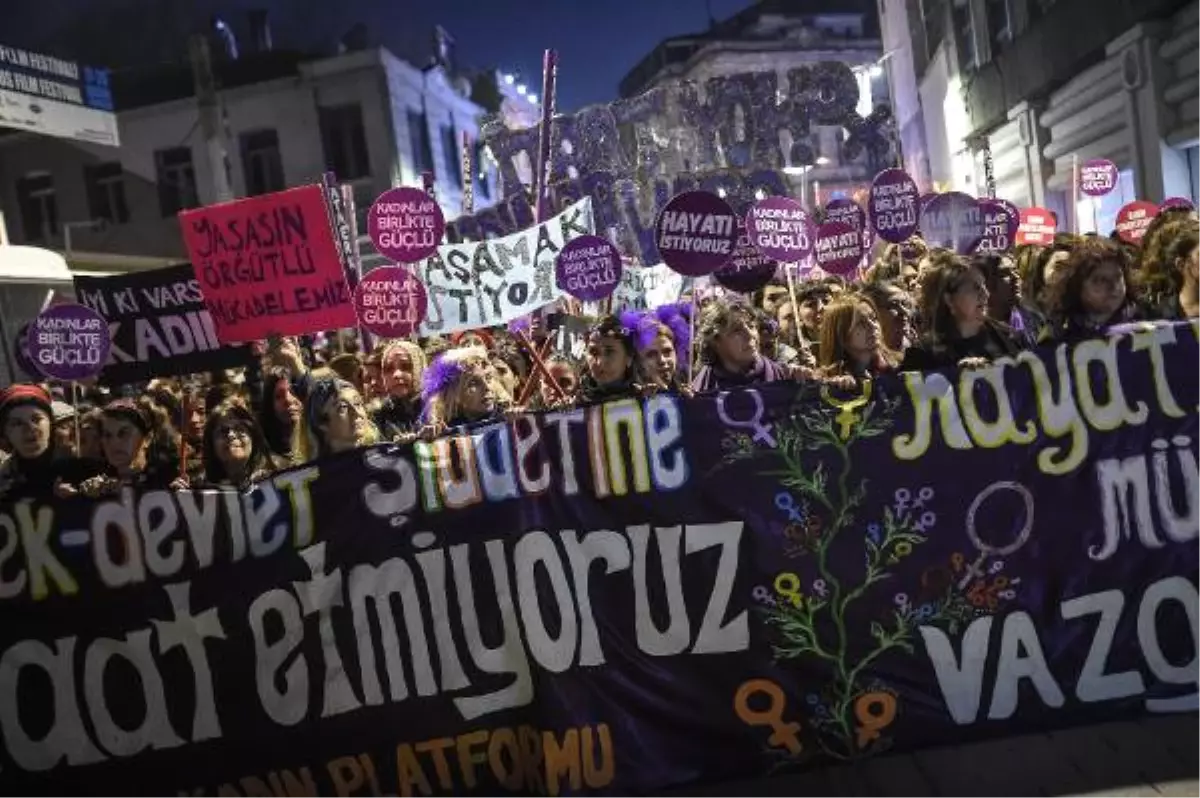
(460, 388)
(236, 452)
(1092, 291)
(729, 351)
(1169, 278)
(957, 330)
(140, 447)
(1042, 268)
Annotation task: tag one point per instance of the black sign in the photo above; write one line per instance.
(159, 325)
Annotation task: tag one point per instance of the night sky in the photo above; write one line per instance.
(596, 47)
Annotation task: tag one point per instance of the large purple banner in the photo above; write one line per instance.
(627, 597)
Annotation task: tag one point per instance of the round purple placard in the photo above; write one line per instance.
(1000, 222)
(838, 248)
(406, 224)
(1097, 177)
(952, 220)
(780, 228)
(892, 207)
(696, 233)
(1176, 202)
(846, 211)
(391, 302)
(69, 342)
(748, 270)
(588, 268)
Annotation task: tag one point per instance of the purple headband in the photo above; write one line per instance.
(646, 324)
(439, 376)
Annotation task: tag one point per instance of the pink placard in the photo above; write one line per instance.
(269, 265)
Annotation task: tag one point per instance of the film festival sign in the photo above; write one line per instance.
(159, 325)
(722, 136)
(630, 597)
(493, 282)
(43, 94)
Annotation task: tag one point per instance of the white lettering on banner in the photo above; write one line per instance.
(493, 282)
(960, 676)
(556, 630)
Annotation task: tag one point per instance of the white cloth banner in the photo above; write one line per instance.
(486, 283)
(647, 287)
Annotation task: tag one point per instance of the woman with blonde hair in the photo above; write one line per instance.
(460, 387)
(402, 366)
(334, 420)
(851, 341)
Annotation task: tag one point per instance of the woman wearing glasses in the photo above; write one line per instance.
(236, 452)
(334, 420)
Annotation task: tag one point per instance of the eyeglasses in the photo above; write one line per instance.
(234, 430)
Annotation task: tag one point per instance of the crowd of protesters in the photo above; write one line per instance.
(916, 308)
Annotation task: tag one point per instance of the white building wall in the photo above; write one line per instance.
(287, 105)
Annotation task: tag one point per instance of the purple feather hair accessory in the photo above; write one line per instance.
(520, 325)
(440, 375)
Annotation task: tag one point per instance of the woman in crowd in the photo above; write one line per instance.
(729, 351)
(279, 412)
(609, 371)
(894, 310)
(402, 366)
(1004, 296)
(34, 468)
(660, 337)
(565, 375)
(1042, 267)
(1169, 278)
(334, 420)
(954, 311)
(852, 341)
(236, 452)
(461, 388)
(140, 447)
(1091, 292)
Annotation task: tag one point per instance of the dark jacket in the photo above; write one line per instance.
(35, 479)
(713, 377)
(397, 417)
(992, 341)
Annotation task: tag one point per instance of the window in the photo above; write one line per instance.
(418, 139)
(105, 183)
(176, 180)
(450, 154)
(345, 141)
(262, 165)
(39, 206)
(483, 189)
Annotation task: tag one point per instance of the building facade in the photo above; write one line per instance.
(780, 36)
(1019, 92)
(375, 120)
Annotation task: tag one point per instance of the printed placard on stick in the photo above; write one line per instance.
(69, 342)
(391, 302)
(269, 265)
(1037, 226)
(780, 229)
(696, 233)
(406, 224)
(1097, 177)
(588, 268)
(1133, 219)
(892, 207)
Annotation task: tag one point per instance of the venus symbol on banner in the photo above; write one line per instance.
(391, 302)
(893, 203)
(69, 342)
(406, 224)
(696, 233)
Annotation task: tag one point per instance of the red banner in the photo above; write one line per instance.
(269, 265)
